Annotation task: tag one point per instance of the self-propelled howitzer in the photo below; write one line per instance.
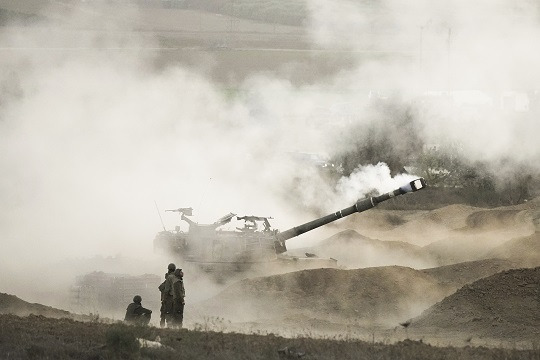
(256, 242)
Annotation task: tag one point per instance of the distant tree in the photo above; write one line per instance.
(389, 135)
(515, 181)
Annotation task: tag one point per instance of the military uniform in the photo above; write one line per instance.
(179, 294)
(166, 289)
(136, 313)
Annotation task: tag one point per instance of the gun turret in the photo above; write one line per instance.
(360, 206)
(188, 220)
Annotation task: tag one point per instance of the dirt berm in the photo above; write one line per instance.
(379, 296)
(526, 250)
(502, 306)
(354, 250)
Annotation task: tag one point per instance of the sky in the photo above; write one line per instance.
(92, 139)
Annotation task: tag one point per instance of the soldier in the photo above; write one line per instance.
(179, 294)
(136, 313)
(166, 310)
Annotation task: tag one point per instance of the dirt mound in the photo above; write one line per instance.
(430, 226)
(381, 219)
(454, 221)
(451, 217)
(498, 218)
(379, 296)
(459, 248)
(372, 296)
(10, 304)
(502, 305)
(355, 251)
(485, 230)
(456, 275)
(526, 250)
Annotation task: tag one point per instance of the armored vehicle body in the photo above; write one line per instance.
(256, 243)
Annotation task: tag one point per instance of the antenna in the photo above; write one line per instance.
(202, 198)
(162, 224)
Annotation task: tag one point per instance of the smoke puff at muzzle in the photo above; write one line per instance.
(407, 188)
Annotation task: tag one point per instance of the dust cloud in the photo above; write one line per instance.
(471, 70)
(91, 134)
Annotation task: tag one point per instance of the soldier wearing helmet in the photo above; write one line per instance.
(179, 294)
(136, 313)
(166, 289)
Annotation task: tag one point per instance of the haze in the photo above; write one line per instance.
(92, 132)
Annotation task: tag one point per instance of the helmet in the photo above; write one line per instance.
(171, 267)
(137, 299)
(178, 272)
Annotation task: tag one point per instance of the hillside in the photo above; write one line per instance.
(11, 304)
(526, 250)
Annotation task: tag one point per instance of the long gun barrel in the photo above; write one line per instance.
(360, 206)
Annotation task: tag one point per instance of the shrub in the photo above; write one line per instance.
(121, 341)
(35, 352)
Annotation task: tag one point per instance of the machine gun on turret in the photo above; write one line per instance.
(184, 211)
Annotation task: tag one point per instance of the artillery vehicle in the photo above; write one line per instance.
(255, 244)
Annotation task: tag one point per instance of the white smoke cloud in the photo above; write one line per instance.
(370, 178)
